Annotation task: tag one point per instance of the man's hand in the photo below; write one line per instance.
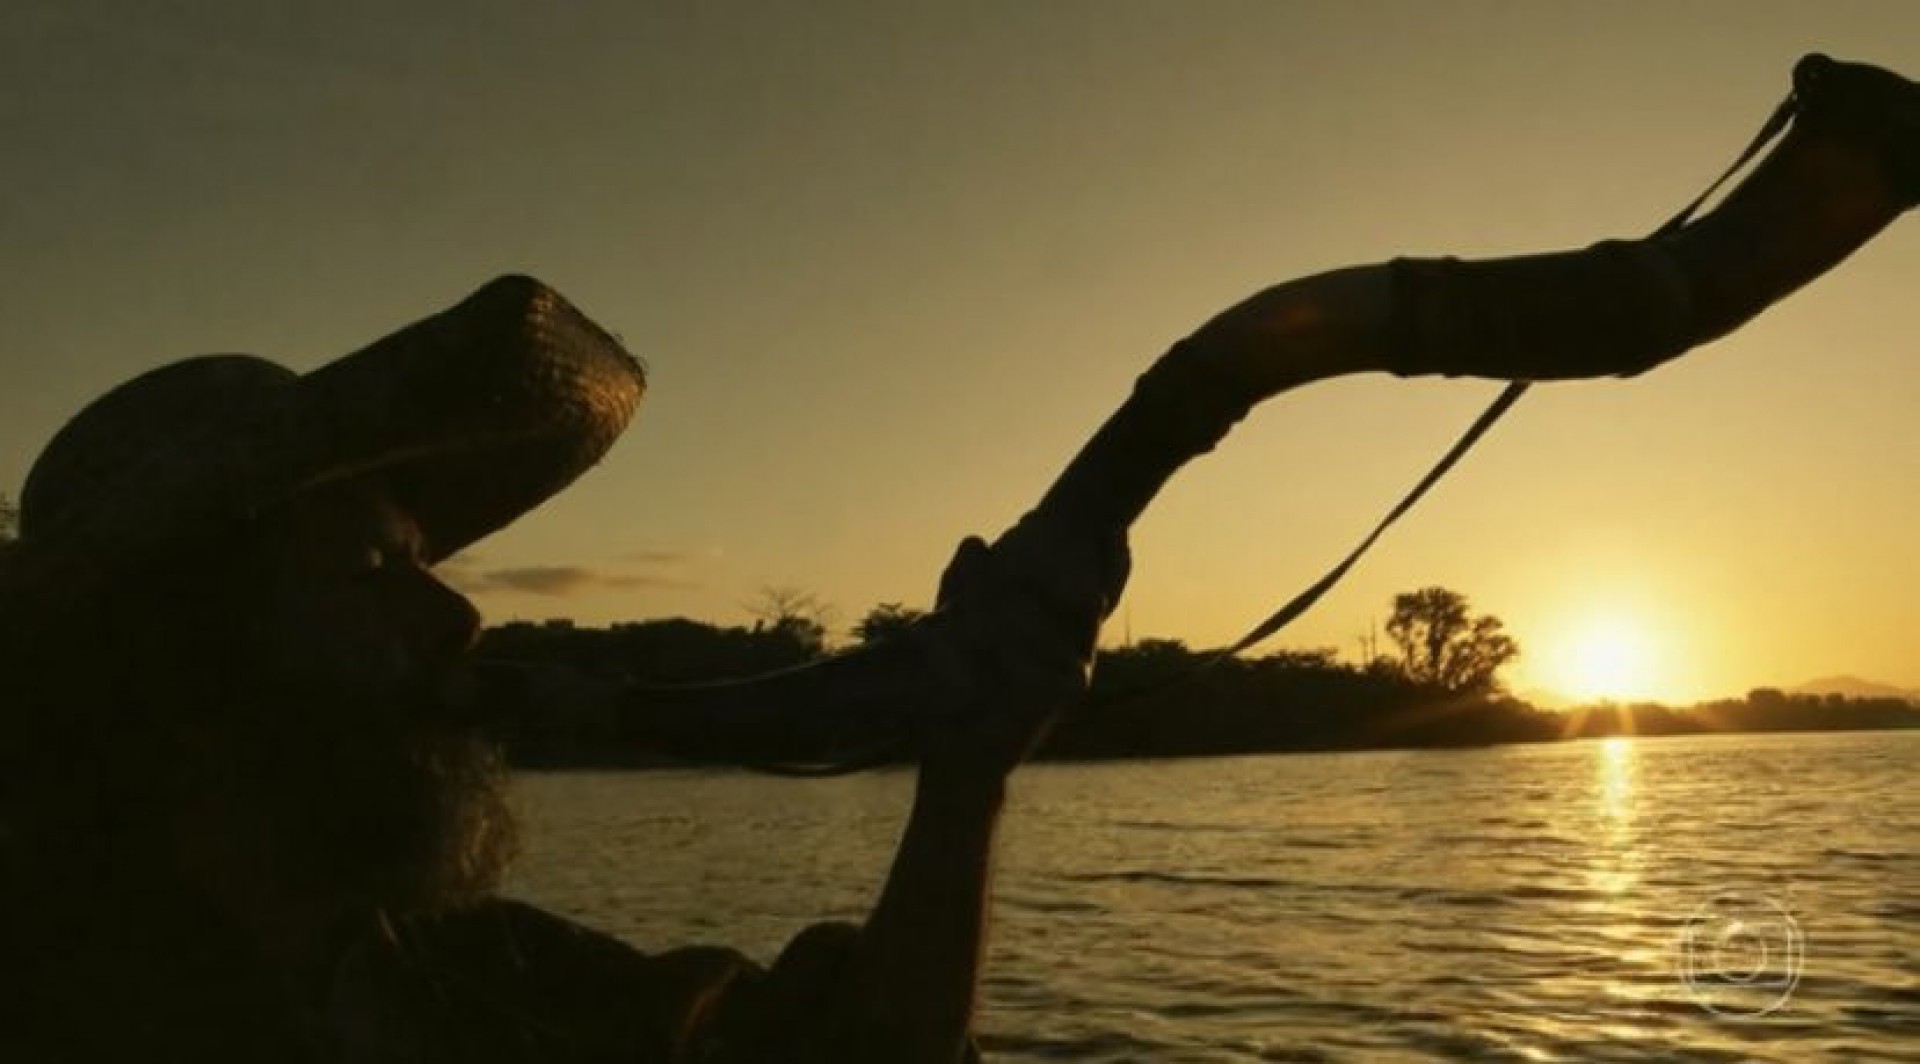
(1013, 637)
(1015, 631)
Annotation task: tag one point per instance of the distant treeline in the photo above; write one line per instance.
(1161, 699)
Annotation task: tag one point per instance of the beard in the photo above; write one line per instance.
(380, 803)
(176, 734)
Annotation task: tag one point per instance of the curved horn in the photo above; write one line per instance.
(847, 710)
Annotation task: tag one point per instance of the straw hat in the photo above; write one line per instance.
(472, 417)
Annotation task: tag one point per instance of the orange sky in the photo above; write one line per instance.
(890, 267)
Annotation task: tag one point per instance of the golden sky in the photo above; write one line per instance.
(890, 265)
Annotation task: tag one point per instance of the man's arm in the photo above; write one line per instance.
(1015, 633)
(920, 953)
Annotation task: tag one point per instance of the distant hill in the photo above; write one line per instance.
(1854, 687)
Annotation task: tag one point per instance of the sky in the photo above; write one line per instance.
(890, 264)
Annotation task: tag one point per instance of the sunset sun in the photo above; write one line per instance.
(1609, 658)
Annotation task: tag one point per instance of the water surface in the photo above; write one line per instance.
(1688, 899)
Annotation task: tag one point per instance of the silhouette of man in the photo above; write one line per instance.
(248, 815)
(246, 812)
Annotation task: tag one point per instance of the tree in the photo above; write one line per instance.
(795, 614)
(886, 621)
(1442, 643)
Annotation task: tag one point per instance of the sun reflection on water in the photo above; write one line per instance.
(1617, 856)
(1616, 779)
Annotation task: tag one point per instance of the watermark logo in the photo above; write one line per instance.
(1741, 955)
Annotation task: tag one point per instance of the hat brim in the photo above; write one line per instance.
(471, 417)
(474, 416)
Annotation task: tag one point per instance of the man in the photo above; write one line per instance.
(251, 812)
(250, 816)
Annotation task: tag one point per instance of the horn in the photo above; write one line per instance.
(1569, 315)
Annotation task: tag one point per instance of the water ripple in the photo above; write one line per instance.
(1575, 902)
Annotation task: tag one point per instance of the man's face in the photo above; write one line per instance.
(371, 787)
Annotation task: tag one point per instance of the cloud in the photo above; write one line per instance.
(658, 557)
(697, 556)
(642, 580)
(557, 581)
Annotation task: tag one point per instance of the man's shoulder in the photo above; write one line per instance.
(521, 941)
(507, 973)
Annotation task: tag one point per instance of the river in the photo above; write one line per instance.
(1686, 899)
